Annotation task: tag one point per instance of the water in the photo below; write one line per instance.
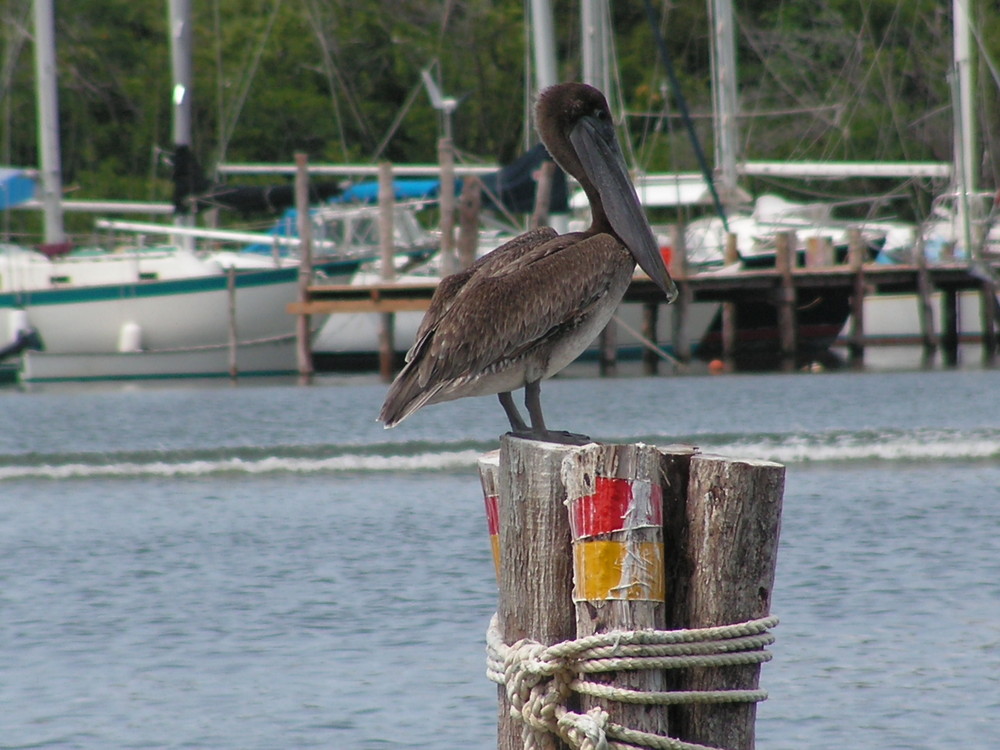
(264, 567)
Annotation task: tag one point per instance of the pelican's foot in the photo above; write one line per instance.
(553, 436)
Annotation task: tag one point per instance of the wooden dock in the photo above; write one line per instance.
(782, 287)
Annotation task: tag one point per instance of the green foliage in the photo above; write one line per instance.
(855, 79)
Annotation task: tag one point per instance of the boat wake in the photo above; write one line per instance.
(790, 448)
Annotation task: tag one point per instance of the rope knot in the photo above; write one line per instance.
(536, 683)
(540, 680)
(586, 731)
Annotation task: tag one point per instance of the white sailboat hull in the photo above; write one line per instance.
(180, 327)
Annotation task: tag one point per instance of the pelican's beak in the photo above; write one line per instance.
(597, 147)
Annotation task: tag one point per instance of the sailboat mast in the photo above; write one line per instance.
(596, 46)
(48, 121)
(179, 20)
(965, 126)
(544, 45)
(724, 95)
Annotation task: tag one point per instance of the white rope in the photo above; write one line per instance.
(539, 679)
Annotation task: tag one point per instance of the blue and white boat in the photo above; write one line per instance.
(148, 313)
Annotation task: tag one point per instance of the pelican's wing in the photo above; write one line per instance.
(513, 304)
(448, 290)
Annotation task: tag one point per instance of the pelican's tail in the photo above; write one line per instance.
(405, 396)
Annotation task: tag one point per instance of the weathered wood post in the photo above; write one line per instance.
(819, 251)
(785, 262)
(679, 271)
(470, 204)
(446, 160)
(650, 323)
(303, 333)
(536, 569)
(387, 252)
(543, 194)
(616, 516)
(663, 540)
(924, 291)
(949, 326)
(730, 256)
(608, 349)
(856, 260)
(732, 520)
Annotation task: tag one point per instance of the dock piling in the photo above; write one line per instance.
(730, 257)
(650, 323)
(303, 333)
(680, 308)
(470, 205)
(543, 194)
(950, 326)
(856, 260)
(785, 262)
(446, 158)
(924, 291)
(387, 252)
(733, 519)
(639, 544)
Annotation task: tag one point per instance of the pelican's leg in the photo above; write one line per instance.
(517, 424)
(533, 400)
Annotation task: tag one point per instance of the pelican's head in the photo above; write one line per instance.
(575, 124)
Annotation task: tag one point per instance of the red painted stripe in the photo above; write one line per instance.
(613, 507)
(492, 514)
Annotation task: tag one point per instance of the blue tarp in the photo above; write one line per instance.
(367, 192)
(15, 187)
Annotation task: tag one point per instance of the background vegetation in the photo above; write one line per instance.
(340, 79)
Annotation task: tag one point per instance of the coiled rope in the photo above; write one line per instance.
(539, 679)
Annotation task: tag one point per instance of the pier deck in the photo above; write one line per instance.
(783, 287)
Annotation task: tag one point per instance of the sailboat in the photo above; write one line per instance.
(961, 227)
(959, 223)
(141, 312)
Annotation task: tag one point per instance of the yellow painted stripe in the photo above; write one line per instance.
(614, 570)
(495, 544)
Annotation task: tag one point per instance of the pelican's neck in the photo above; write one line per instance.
(599, 222)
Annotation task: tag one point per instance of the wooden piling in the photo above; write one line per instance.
(730, 256)
(615, 506)
(924, 291)
(710, 563)
(949, 326)
(387, 252)
(785, 262)
(680, 308)
(856, 259)
(446, 159)
(536, 569)
(819, 252)
(543, 194)
(650, 323)
(732, 520)
(469, 206)
(303, 333)
(608, 350)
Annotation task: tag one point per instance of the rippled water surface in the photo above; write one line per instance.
(263, 567)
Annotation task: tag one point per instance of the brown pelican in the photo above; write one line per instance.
(526, 310)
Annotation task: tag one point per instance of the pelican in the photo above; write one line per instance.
(523, 312)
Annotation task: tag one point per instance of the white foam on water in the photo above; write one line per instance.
(447, 460)
(798, 448)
